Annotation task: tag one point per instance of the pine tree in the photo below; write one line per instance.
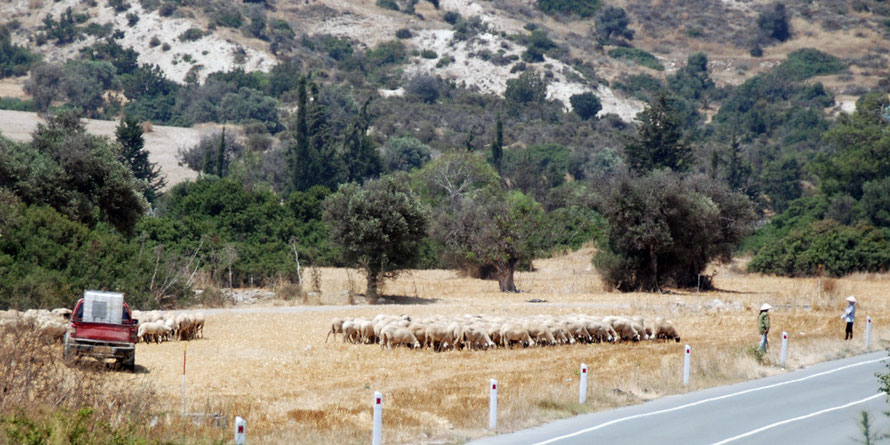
(359, 153)
(659, 142)
(497, 147)
(133, 154)
(221, 154)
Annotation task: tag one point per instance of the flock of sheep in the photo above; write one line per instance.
(154, 326)
(483, 332)
(52, 324)
(157, 326)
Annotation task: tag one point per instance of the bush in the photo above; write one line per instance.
(15, 104)
(583, 8)
(387, 53)
(641, 86)
(428, 54)
(612, 22)
(155, 41)
(403, 33)
(841, 249)
(404, 153)
(425, 87)
(451, 17)
(585, 105)
(388, 4)
(808, 62)
(637, 56)
(664, 229)
(191, 35)
(774, 24)
(15, 60)
(444, 61)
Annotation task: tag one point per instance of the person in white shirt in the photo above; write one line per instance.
(849, 315)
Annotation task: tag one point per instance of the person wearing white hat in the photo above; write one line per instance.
(763, 326)
(849, 315)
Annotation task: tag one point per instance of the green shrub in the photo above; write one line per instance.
(428, 54)
(637, 56)
(403, 33)
(841, 249)
(583, 8)
(12, 103)
(585, 105)
(808, 62)
(388, 4)
(451, 17)
(229, 17)
(191, 34)
(387, 53)
(15, 60)
(444, 61)
(641, 86)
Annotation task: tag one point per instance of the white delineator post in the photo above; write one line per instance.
(493, 406)
(582, 390)
(784, 348)
(686, 365)
(868, 332)
(378, 419)
(240, 430)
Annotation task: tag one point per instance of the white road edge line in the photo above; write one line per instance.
(795, 419)
(700, 402)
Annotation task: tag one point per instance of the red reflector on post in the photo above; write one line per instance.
(240, 429)
(378, 400)
(494, 386)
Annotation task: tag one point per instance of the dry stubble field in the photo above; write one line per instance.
(271, 365)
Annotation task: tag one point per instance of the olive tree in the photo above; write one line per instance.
(480, 225)
(664, 229)
(377, 227)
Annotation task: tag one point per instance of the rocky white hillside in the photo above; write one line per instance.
(669, 30)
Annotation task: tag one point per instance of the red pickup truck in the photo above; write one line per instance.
(102, 327)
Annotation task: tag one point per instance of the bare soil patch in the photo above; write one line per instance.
(163, 143)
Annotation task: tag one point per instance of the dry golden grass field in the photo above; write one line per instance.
(271, 365)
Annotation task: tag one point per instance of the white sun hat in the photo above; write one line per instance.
(851, 299)
(765, 307)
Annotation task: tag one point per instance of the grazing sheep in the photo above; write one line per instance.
(512, 332)
(541, 334)
(476, 336)
(395, 335)
(336, 328)
(577, 330)
(350, 331)
(624, 327)
(438, 336)
(643, 328)
(199, 323)
(664, 329)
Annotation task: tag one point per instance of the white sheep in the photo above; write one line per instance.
(664, 329)
(513, 332)
(395, 335)
(336, 328)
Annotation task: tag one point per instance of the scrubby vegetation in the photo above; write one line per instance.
(499, 180)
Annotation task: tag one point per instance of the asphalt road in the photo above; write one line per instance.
(817, 405)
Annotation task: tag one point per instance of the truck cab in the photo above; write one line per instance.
(102, 327)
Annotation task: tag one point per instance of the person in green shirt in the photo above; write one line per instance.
(763, 326)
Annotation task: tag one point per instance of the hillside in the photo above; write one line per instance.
(670, 31)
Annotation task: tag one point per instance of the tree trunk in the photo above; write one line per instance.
(372, 285)
(653, 269)
(505, 276)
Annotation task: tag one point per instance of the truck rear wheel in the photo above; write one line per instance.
(129, 363)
